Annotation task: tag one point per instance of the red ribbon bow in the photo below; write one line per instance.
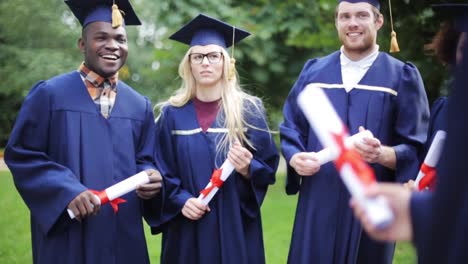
(105, 199)
(215, 182)
(428, 180)
(352, 158)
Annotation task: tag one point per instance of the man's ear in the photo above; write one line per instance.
(379, 22)
(81, 45)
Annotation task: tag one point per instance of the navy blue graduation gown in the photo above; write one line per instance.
(232, 231)
(391, 102)
(59, 147)
(439, 219)
(438, 121)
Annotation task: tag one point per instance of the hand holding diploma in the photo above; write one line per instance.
(194, 209)
(307, 163)
(327, 154)
(355, 173)
(398, 199)
(149, 190)
(88, 202)
(218, 177)
(240, 158)
(427, 173)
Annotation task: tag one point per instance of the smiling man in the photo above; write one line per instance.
(82, 131)
(368, 89)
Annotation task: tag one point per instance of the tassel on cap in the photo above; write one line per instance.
(232, 70)
(393, 41)
(117, 19)
(232, 66)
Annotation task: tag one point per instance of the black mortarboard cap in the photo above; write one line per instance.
(375, 3)
(204, 30)
(458, 13)
(88, 11)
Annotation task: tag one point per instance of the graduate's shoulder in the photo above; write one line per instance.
(167, 109)
(55, 85)
(131, 93)
(397, 64)
(320, 62)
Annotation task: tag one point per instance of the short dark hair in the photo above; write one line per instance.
(375, 11)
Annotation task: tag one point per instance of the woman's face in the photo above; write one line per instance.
(207, 63)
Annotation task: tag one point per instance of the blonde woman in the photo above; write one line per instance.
(208, 120)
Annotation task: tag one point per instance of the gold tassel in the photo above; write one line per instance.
(232, 70)
(232, 66)
(117, 19)
(394, 43)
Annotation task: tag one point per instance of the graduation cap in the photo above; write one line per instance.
(458, 13)
(204, 30)
(375, 3)
(88, 11)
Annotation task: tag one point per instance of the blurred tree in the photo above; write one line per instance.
(38, 40)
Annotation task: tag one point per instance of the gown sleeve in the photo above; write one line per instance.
(437, 122)
(411, 123)
(263, 165)
(147, 141)
(46, 187)
(145, 160)
(294, 130)
(420, 209)
(175, 195)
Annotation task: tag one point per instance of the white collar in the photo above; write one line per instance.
(362, 63)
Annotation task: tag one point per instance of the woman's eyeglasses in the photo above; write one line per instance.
(213, 57)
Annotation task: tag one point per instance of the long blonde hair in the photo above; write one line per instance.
(235, 103)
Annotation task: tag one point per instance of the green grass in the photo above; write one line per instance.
(277, 213)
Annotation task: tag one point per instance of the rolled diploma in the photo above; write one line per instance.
(121, 188)
(327, 154)
(325, 121)
(433, 154)
(227, 169)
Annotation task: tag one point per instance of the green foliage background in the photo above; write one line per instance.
(38, 40)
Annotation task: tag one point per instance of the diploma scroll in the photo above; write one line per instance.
(427, 173)
(355, 173)
(327, 154)
(115, 191)
(218, 177)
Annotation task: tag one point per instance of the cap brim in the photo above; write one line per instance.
(201, 22)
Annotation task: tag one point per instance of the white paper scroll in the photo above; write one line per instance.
(328, 126)
(227, 168)
(327, 154)
(119, 189)
(432, 157)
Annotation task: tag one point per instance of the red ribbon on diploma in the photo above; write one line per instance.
(353, 159)
(105, 199)
(429, 177)
(215, 182)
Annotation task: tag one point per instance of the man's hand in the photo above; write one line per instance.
(372, 151)
(305, 163)
(194, 209)
(398, 198)
(153, 187)
(84, 205)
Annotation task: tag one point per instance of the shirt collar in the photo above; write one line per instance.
(362, 63)
(95, 79)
